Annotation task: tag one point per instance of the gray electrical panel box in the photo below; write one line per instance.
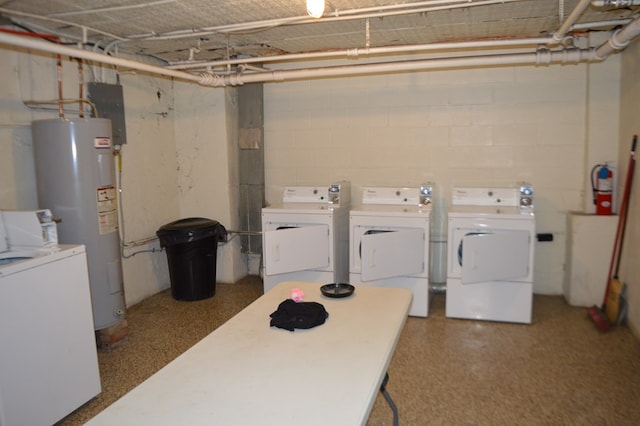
(109, 102)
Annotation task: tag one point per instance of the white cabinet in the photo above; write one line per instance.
(589, 248)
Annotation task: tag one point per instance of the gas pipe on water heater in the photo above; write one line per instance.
(602, 188)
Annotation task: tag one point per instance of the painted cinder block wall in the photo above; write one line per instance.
(176, 162)
(478, 127)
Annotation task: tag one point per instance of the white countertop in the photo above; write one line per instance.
(248, 373)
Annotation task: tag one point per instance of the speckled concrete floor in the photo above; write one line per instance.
(560, 370)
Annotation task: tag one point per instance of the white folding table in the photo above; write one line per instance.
(248, 373)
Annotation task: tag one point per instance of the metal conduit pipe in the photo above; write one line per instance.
(438, 288)
(111, 8)
(619, 39)
(600, 24)
(10, 12)
(349, 14)
(540, 57)
(43, 46)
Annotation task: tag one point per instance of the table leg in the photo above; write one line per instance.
(388, 398)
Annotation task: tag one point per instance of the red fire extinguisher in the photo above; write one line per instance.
(602, 187)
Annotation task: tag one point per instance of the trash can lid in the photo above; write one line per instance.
(190, 229)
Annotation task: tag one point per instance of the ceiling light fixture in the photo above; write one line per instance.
(315, 8)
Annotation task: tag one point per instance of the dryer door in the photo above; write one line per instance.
(392, 254)
(494, 256)
(293, 249)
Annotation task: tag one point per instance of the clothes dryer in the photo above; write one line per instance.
(490, 254)
(389, 241)
(306, 237)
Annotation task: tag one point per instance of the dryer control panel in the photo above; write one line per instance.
(304, 194)
(398, 196)
(336, 194)
(521, 196)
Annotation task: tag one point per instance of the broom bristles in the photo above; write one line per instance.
(599, 318)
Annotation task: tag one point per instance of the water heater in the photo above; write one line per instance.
(76, 180)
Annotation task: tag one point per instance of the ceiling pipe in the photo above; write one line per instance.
(571, 19)
(43, 46)
(619, 39)
(600, 24)
(357, 52)
(349, 14)
(616, 42)
(540, 57)
(615, 3)
(343, 15)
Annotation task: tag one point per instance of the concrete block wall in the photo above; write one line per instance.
(149, 167)
(485, 127)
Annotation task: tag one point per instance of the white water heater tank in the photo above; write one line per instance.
(76, 180)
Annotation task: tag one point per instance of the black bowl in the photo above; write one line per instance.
(337, 290)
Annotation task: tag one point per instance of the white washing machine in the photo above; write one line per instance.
(389, 241)
(490, 254)
(306, 238)
(49, 361)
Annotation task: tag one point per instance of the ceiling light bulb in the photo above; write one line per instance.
(315, 8)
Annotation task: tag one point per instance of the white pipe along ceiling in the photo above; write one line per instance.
(228, 47)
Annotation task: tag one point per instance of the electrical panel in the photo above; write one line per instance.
(109, 102)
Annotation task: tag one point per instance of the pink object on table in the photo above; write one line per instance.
(297, 295)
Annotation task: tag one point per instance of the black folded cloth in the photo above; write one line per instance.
(291, 315)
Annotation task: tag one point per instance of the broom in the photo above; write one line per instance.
(602, 317)
(616, 287)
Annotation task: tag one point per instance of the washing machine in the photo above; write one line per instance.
(389, 241)
(490, 254)
(306, 237)
(48, 362)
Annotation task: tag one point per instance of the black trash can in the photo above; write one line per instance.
(192, 246)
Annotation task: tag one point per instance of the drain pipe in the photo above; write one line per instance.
(540, 57)
(618, 40)
(370, 51)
